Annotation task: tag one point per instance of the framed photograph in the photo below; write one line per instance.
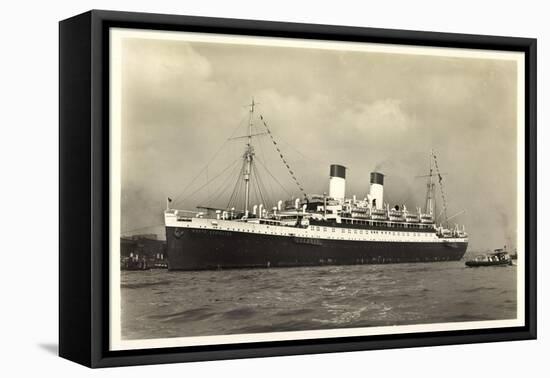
(234, 188)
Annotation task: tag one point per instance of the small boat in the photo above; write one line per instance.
(498, 257)
(134, 263)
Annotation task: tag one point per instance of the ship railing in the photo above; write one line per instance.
(182, 212)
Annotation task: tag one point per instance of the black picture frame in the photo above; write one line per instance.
(84, 187)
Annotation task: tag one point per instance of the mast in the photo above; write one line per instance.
(430, 192)
(443, 196)
(248, 157)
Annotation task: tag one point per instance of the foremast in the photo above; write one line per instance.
(248, 158)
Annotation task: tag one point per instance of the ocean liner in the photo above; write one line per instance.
(311, 230)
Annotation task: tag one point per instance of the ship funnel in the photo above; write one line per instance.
(376, 190)
(337, 182)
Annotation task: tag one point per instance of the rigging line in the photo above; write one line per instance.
(257, 177)
(283, 158)
(232, 173)
(237, 203)
(439, 176)
(236, 185)
(261, 185)
(176, 198)
(439, 216)
(268, 200)
(282, 141)
(236, 199)
(258, 181)
(225, 185)
(213, 179)
(274, 178)
(257, 193)
(272, 193)
(291, 146)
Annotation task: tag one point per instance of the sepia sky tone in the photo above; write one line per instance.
(181, 101)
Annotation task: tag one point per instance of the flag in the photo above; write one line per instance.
(169, 199)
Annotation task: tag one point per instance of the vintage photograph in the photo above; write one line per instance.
(281, 189)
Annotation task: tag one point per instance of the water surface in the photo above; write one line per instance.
(160, 303)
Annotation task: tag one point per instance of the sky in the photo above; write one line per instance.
(182, 101)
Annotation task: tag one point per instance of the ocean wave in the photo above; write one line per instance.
(341, 316)
(476, 289)
(301, 311)
(139, 285)
(193, 314)
(240, 313)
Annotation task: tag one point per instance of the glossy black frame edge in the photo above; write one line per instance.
(84, 188)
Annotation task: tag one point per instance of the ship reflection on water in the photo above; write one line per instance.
(161, 304)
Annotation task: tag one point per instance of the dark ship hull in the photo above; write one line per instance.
(474, 264)
(203, 249)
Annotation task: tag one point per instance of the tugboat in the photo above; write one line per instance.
(497, 258)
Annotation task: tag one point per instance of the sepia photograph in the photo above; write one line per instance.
(269, 189)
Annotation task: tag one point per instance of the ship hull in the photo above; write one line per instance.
(204, 249)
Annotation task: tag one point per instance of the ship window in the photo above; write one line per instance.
(333, 230)
(324, 228)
